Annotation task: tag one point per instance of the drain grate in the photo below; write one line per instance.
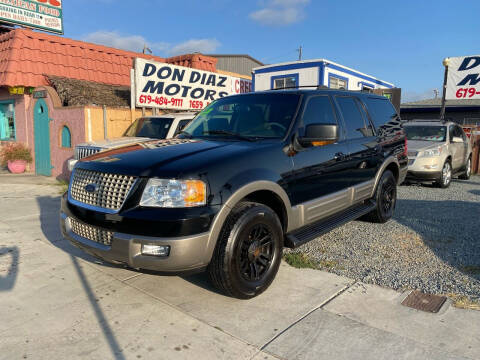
(424, 302)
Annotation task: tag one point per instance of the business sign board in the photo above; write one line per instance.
(166, 86)
(463, 80)
(38, 14)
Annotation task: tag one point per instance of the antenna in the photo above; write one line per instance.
(300, 53)
(145, 49)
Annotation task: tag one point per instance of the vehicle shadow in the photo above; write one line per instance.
(49, 219)
(7, 281)
(449, 228)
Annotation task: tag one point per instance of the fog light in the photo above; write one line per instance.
(156, 250)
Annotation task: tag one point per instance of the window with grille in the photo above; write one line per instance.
(337, 83)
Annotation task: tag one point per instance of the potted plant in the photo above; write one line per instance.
(15, 156)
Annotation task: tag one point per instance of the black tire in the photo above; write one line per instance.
(248, 251)
(446, 175)
(468, 170)
(385, 198)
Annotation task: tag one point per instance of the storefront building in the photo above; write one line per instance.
(55, 93)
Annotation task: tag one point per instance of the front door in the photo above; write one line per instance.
(43, 164)
(320, 177)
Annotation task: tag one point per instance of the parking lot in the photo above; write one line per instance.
(57, 302)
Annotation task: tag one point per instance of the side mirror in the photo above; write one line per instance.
(319, 135)
(457, 139)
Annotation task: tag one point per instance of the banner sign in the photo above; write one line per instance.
(166, 86)
(38, 14)
(463, 80)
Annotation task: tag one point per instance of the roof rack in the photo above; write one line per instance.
(316, 87)
(429, 120)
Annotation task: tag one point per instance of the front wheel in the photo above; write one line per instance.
(446, 176)
(386, 199)
(248, 251)
(468, 170)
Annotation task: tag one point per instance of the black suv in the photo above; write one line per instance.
(249, 175)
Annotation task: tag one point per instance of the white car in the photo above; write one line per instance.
(141, 130)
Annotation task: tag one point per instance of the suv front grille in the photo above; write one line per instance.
(84, 151)
(107, 191)
(412, 153)
(91, 233)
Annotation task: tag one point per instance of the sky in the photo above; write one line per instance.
(403, 42)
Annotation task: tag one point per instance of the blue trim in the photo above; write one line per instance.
(321, 74)
(366, 84)
(253, 82)
(7, 102)
(273, 78)
(297, 66)
(330, 75)
(350, 72)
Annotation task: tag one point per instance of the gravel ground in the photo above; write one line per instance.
(432, 244)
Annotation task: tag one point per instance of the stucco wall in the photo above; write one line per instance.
(72, 117)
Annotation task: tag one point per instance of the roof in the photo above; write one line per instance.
(236, 56)
(26, 56)
(315, 62)
(437, 102)
(74, 92)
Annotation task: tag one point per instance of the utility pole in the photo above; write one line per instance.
(300, 53)
(445, 76)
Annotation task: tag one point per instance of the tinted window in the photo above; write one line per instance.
(156, 128)
(381, 110)
(319, 110)
(353, 118)
(181, 125)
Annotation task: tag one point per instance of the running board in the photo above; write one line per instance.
(312, 231)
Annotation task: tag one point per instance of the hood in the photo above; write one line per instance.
(116, 142)
(143, 159)
(417, 145)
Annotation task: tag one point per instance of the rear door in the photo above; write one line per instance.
(364, 157)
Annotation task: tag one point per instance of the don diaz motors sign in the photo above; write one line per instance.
(166, 86)
(463, 80)
(38, 14)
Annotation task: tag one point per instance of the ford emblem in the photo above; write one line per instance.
(91, 188)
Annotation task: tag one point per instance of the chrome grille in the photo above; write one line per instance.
(109, 190)
(84, 151)
(91, 233)
(412, 153)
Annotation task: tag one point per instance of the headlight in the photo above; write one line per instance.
(174, 193)
(431, 152)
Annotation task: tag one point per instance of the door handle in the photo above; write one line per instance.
(339, 156)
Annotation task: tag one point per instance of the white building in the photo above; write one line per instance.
(314, 73)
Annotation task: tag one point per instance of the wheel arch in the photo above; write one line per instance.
(391, 164)
(265, 192)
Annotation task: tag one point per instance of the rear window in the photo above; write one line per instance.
(155, 128)
(381, 110)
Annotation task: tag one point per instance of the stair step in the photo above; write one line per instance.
(312, 231)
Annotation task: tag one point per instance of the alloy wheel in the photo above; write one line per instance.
(256, 253)
(447, 173)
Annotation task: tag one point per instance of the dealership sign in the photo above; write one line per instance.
(38, 14)
(166, 86)
(463, 80)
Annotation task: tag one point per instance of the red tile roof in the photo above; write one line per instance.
(26, 56)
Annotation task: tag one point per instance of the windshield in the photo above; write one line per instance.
(156, 128)
(426, 133)
(246, 117)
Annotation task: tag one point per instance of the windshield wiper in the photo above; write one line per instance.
(229, 133)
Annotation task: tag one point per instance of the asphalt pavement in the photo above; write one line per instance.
(58, 303)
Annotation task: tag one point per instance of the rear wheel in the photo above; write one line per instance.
(386, 199)
(468, 170)
(446, 178)
(248, 251)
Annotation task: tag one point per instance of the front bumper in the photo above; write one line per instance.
(186, 253)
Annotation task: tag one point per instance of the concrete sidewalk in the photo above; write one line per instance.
(57, 303)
